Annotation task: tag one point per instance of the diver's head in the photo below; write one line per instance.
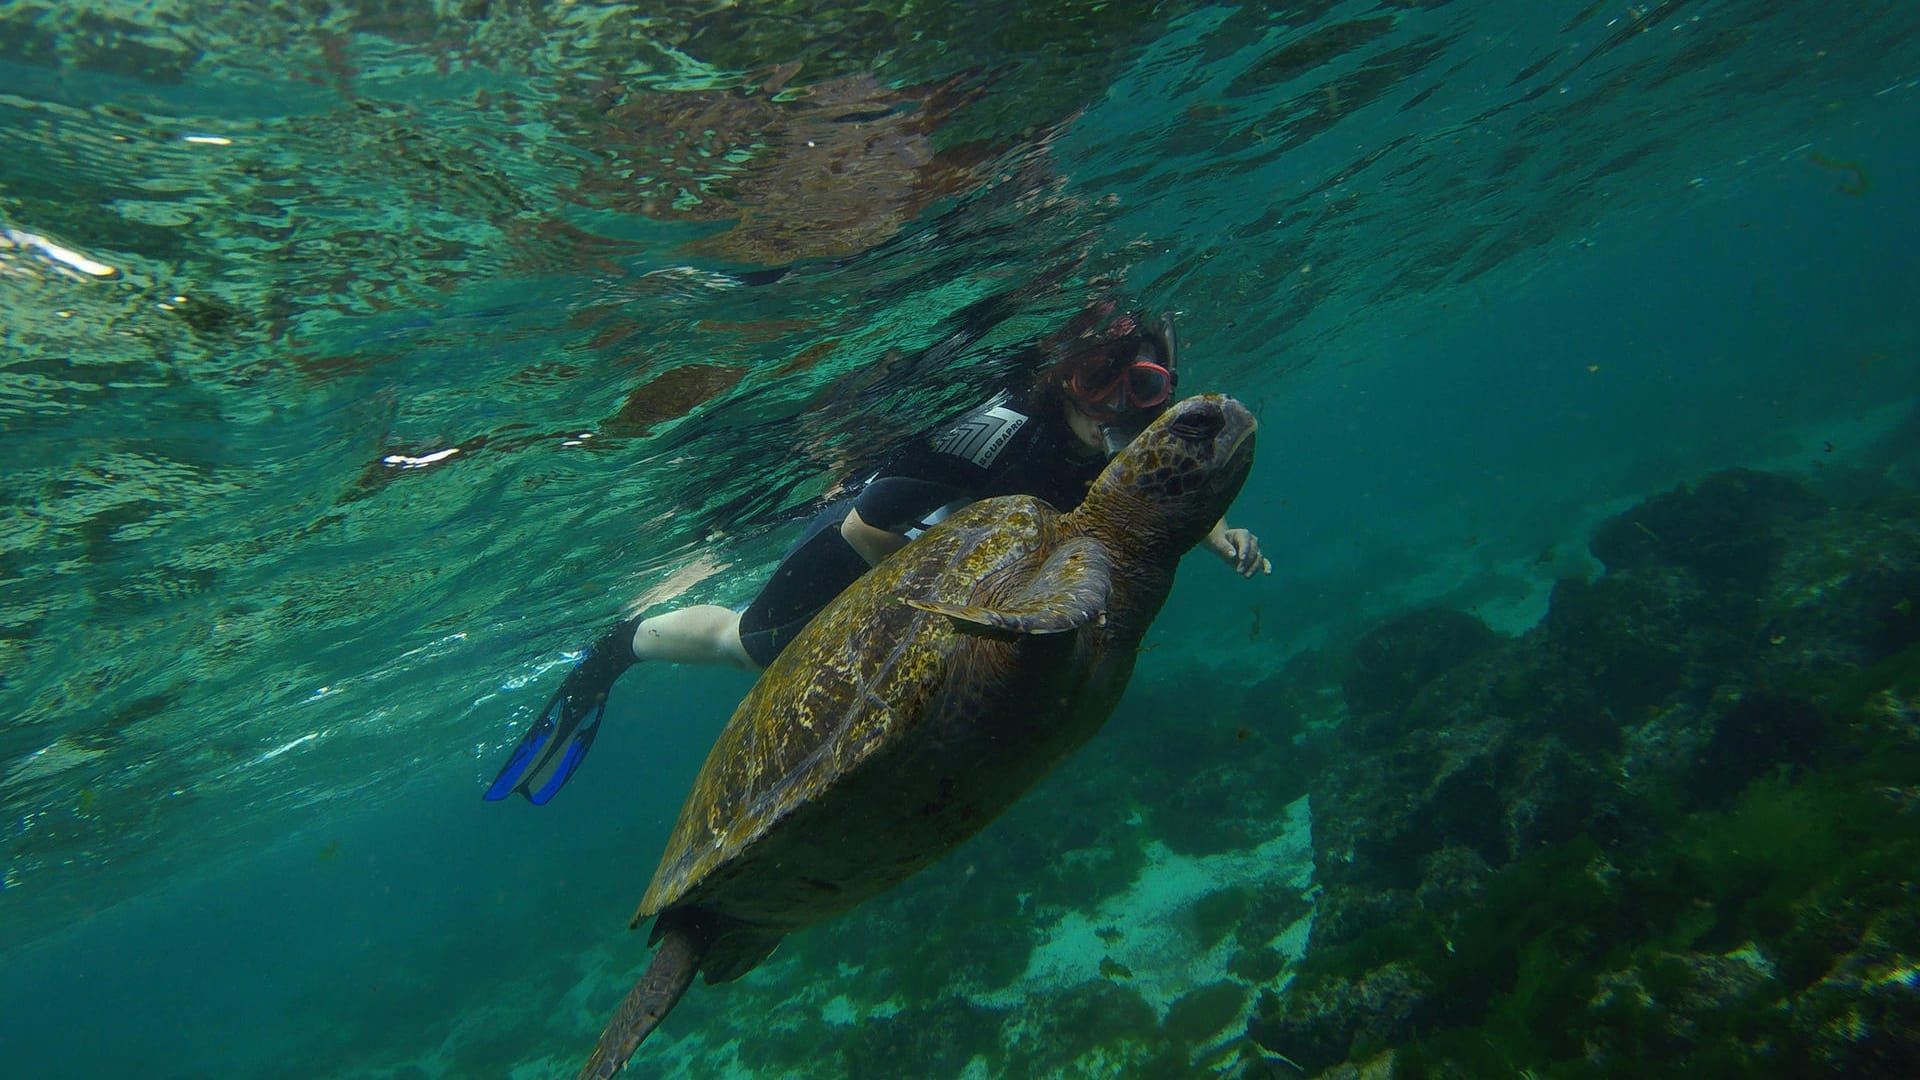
(1123, 376)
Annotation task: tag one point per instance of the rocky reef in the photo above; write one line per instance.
(1673, 828)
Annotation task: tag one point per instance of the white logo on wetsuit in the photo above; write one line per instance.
(984, 433)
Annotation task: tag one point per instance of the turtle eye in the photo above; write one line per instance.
(1199, 423)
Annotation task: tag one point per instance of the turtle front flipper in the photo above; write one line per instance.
(1067, 592)
(683, 943)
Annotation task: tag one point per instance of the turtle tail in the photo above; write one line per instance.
(682, 945)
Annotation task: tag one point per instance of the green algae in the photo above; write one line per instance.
(1200, 1014)
(1742, 927)
(1101, 1013)
(1795, 873)
(1898, 674)
(1215, 916)
(938, 1035)
(1257, 966)
(1270, 914)
(1727, 890)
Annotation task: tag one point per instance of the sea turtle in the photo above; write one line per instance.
(921, 703)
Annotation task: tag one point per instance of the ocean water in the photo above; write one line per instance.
(363, 359)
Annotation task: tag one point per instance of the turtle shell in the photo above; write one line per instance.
(882, 735)
(936, 690)
(921, 703)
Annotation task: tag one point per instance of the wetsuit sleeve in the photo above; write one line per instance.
(955, 465)
(897, 500)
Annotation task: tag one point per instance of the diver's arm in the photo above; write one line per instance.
(908, 494)
(1239, 548)
(870, 541)
(927, 479)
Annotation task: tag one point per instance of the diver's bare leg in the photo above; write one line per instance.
(702, 634)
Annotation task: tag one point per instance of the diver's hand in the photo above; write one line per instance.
(1240, 549)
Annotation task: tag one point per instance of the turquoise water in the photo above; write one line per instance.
(361, 359)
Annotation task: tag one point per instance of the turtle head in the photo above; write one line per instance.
(1179, 475)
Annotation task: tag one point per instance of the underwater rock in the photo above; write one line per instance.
(1198, 1015)
(1376, 816)
(1304, 694)
(1347, 912)
(1451, 877)
(1755, 733)
(1339, 1019)
(939, 1035)
(1724, 528)
(1480, 762)
(1272, 912)
(1553, 793)
(1217, 810)
(1058, 1027)
(1674, 1003)
(1661, 750)
(1392, 661)
(1257, 966)
(1644, 636)
(1845, 595)
(1863, 1017)
(1213, 918)
(1384, 862)
(1273, 708)
(974, 922)
(1378, 1067)
(1549, 854)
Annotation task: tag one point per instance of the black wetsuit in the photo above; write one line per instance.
(1011, 444)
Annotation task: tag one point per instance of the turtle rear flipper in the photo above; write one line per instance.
(1067, 592)
(690, 940)
(683, 943)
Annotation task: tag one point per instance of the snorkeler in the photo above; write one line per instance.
(1048, 440)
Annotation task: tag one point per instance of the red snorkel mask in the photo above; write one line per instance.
(1137, 384)
(1138, 372)
(1130, 382)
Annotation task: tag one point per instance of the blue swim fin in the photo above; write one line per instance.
(548, 754)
